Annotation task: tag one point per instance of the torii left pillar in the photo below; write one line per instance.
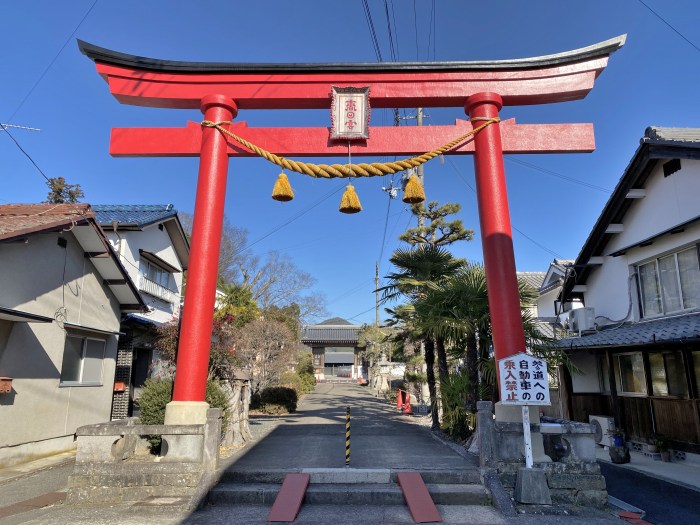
(188, 405)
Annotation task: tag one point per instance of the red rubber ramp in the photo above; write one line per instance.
(418, 499)
(289, 498)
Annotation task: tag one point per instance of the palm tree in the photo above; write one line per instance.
(419, 269)
(456, 310)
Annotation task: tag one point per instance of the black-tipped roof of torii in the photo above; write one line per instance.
(107, 56)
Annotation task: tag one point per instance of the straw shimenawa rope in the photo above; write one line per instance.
(344, 171)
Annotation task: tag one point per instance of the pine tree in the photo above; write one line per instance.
(60, 192)
(438, 231)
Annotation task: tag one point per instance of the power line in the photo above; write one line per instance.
(290, 221)
(558, 175)
(350, 291)
(392, 48)
(415, 27)
(431, 31)
(361, 313)
(46, 69)
(543, 247)
(372, 32)
(23, 151)
(657, 15)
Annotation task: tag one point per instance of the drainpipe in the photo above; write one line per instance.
(114, 229)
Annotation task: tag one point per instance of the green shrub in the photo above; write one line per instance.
(275, 400)
(301, 383)
(457, 421)
(308, 382)
(293, 381)
(305, 365)
(157, 393)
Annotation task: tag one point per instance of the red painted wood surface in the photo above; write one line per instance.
(383, 141)
(418, 499)
(496, 234)
(198, 310)
(540, 85)
(289, 498)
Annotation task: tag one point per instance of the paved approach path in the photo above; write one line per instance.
(381, 437)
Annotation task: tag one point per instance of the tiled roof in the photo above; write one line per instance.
(330, 333)
(533, 279)
(668, 330)
(546, 328)
(22, 219)
(665, 134)
(133, 214)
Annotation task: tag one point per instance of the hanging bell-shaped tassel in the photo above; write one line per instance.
(413, 193)
(282, 191)
(350, 203)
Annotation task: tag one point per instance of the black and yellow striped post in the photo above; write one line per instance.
(347, 436)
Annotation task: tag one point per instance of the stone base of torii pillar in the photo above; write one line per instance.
(184, 447)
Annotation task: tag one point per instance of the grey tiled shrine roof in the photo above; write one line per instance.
(668, 330)
(330, 334)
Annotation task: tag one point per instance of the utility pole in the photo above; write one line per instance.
(376, 290)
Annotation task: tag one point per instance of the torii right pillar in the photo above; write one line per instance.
(497, 243)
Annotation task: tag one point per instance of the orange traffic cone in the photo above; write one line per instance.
(407, 405)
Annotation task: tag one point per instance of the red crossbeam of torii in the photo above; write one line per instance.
(221, 89)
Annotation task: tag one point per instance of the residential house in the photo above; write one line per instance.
(152, 245)
(637, 341)
(63, 292)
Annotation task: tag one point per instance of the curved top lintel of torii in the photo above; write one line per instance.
(177, 84)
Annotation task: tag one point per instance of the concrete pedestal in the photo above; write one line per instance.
(514, 414)
(184, 448)
(531, 487)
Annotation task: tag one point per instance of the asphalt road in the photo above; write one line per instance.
(664, 503)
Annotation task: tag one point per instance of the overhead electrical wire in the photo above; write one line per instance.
(46, 69)
(657, 15)
(558, 175)
(372, 32)
(290, 221)
(539, 245)
(38, 81)
(24, 151)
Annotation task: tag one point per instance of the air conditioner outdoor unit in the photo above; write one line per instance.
(582, 319)
(601, 425)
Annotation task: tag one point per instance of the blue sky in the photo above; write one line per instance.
(652, 80)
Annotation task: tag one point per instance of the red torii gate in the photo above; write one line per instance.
(220, 89)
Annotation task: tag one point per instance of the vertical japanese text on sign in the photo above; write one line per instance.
(525, 380)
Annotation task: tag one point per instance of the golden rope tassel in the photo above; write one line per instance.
(282, 191)
(413, 194)
(350, 203)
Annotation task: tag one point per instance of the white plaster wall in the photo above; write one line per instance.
(670, 201)
(545, 303)
(588, 381)
(156, 241)
(39, 410)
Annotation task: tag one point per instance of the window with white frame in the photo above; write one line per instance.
(82, 360)
(155, 273)
(670, 283)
